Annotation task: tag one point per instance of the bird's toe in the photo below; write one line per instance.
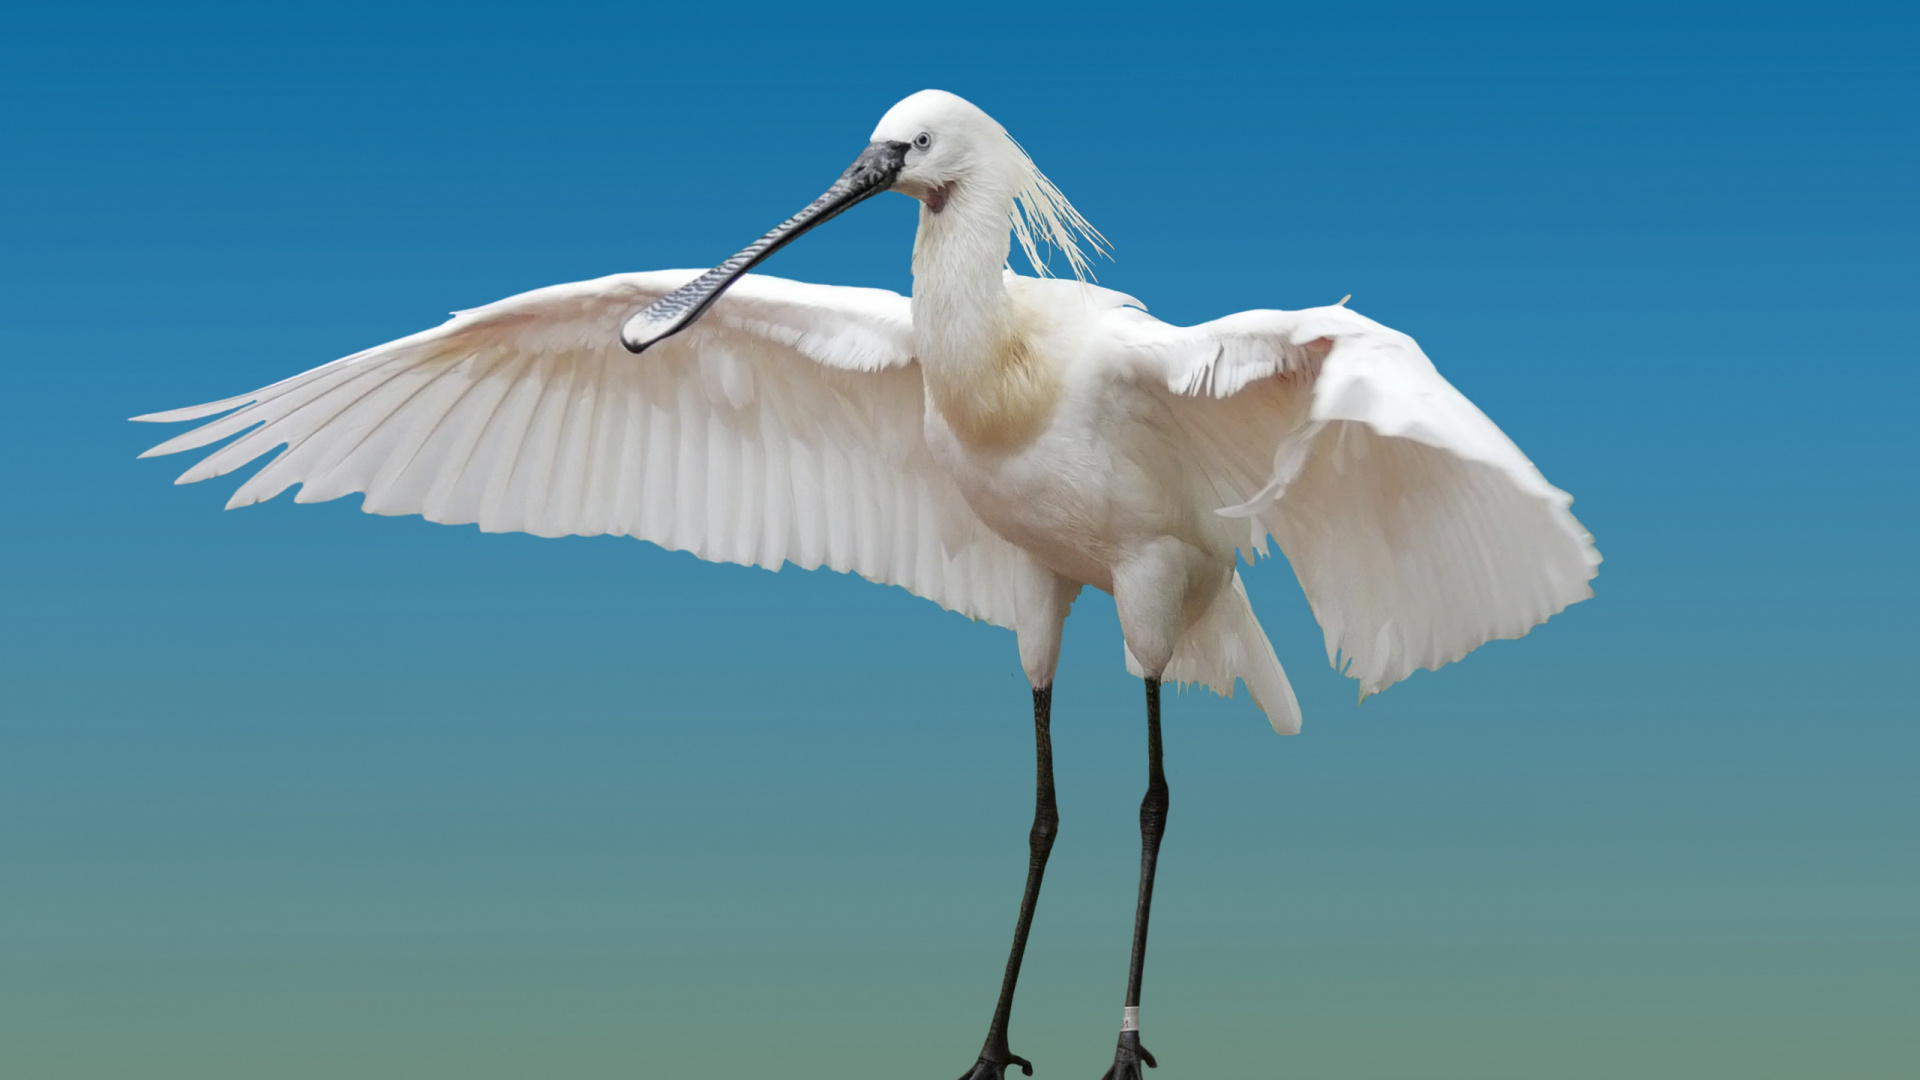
(1128, 1057)
(993, 1066)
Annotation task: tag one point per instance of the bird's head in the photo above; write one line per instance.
(944, 141)
(934, 146)
(953, 153)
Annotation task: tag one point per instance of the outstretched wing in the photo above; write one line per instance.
(784, 427)
(1418, 530)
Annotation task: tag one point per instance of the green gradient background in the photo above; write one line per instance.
(302, 793)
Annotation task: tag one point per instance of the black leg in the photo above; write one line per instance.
(1153, 824)
(995, 1056)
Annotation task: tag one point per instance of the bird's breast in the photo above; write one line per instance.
(997, 403)
(1079, 494)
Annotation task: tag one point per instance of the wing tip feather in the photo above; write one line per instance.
(193, 412)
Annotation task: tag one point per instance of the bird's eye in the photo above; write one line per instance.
(923, 140)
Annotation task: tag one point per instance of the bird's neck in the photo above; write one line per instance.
(961, 313)
(973, 342)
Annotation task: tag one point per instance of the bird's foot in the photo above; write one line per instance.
(993, 1063)
(1127, 1058)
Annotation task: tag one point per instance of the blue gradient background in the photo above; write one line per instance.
(298, 792)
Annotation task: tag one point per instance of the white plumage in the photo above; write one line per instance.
(782, 429)
(993, 444)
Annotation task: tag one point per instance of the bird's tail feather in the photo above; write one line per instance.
(1227, 644)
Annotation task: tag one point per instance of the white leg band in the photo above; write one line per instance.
(1130, 1018)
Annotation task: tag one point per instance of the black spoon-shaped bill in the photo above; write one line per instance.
(873, 172)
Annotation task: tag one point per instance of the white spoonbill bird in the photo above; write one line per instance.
(993, 444)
